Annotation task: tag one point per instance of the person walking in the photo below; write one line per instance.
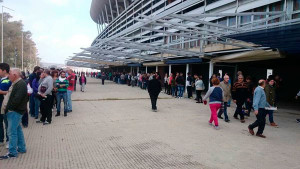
(199, 88)
(103, 77)
(82, 81)
(45, 94)
(14, 106)
(259, 105)
(215, 95)
(240, 95)
(189, 83)
(76, 82)
(270, 91)
(226, 87)
(71, 79)
(154, 88)
(4, 86)
(62, 85)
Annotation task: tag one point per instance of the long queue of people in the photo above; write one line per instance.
(248, 96)
(44, 89)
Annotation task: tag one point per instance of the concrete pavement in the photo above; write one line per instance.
(112, 126)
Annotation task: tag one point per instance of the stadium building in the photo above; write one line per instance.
(258, 37)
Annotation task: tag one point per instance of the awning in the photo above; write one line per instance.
(184, 61)
(154, 64)
(134, 65)
(248, 56)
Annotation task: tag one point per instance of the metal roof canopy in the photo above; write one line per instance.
(164, 25)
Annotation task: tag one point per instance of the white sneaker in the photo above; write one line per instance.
(7, 145)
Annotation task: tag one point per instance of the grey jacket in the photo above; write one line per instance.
(226, 91)
(48, 83)
(199, 85)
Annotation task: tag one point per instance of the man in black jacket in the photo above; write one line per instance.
(14, 106)
(154, 88)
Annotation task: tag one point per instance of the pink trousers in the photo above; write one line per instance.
(214, 109)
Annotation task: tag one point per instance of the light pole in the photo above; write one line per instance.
(2, 32)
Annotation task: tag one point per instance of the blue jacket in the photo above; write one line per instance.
(260, 100)
(215, 95)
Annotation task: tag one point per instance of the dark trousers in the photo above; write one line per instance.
(166, 87)
(199, 97)
(3, 119)
(46, 109)
(154, 101)
(75, 86)
(239, 109)
(260, 122)
(222, 110)
(103, 81)
(25, 119)
(31, 105)
(190, 91)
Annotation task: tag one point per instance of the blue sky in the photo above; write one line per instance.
(59, 27)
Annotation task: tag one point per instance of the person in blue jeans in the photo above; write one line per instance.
(180, 85)
(61, 86)
(35, 88)
(14, 106)
(32, 76)
(5, 83)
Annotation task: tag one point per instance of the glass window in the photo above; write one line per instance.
(222, 21)
(296, 16)
(232, 21)
(296, 5)
(278, 6)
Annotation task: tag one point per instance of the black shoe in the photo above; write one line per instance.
(227, 120)
(65, 114)
(36, 117)
(198, 102)
(46, 123)
(298, 120)
(25, 126)
(39, 121)
(7, 156)
(57, 114)
(220, 117)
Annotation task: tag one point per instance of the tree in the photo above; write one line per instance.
(12, 39)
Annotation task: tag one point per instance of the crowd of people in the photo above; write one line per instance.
(44, 89)
(244, 92)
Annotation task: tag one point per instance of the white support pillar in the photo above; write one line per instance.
(146, 69)
(211, 71)
(156, 69)
(131, 70)
(138, 69)
(125, 4)
(106, 14)
(117, 6)
(111, 11)
(170, 69)
(186, 76)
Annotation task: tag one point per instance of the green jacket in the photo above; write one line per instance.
(270, 94)
(18, 98)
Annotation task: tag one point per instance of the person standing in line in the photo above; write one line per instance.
(82, 81)
(14, 106)
(4, 86)
(25, 115)
(103, 77)
(71, 79)
(199, 88)
(270, 91)
(62, 85)
(35, 87)
(226, 87)
(45, 94)
(259, 105)
(176, 86)
(180, 85)
(240, 95)
(249, 101)
(31, 100)
(166, 83)
(215, 95)
(189, 82)
(54, 75)
(76, 82)
(154, 89)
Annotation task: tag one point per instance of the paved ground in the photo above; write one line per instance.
(112, 126)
